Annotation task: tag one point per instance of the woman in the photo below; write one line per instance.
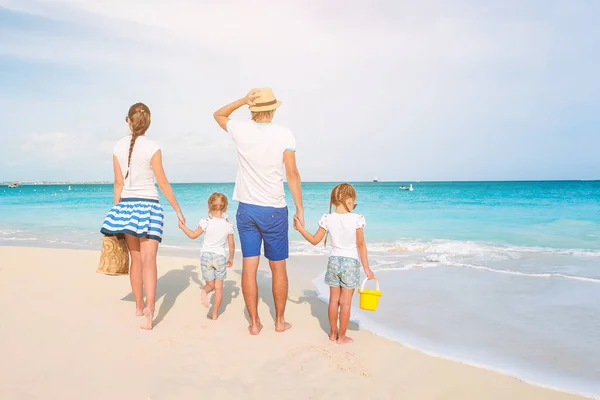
(137, 213)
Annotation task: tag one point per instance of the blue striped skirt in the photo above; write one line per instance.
(137, 217)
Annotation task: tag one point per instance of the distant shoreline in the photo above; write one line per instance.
(40, 183)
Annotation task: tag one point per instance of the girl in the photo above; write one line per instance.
(213, 261)
(348, 244)
(137, 213)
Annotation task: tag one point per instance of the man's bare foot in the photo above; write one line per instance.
(255, 329)
(282, 327)
(345, 340)
(333, 336)
(148, 317)
(204, 297)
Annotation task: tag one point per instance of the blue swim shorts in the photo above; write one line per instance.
(258, 224)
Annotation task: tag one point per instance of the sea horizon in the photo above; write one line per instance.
(75, 182)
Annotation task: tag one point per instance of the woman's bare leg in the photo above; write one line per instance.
(135, 273)
(334, 304)
(148, 250)
(345, 304)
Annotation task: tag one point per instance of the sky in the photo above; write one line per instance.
(398, 89)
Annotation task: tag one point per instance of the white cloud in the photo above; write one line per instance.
(407, 87)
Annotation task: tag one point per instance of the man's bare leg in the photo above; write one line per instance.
(250, 292)
(280, 293)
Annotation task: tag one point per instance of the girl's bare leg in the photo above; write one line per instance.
(208, 287)
(345, 304)
(217, 299)
(334, 304)
(148, 250)
(135, 273)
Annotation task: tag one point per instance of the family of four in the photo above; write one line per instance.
(265, 150)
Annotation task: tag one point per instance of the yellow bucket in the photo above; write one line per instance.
(369, 299)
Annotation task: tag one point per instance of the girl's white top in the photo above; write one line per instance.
(216, 233)
(140, 182)
(342, 232)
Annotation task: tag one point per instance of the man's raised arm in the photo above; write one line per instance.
(223, 113)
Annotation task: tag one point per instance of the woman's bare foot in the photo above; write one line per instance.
(345, 340)
(148, 317)
(333, 336)
(282, 327)
(204, 297)
(139, 312)
(255, 329)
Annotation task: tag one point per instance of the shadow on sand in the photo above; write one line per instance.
(230, 292)
(319, 310)
(176, 281)
(169, 287)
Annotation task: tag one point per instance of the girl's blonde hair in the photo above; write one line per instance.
(339, 195)
(217, 202)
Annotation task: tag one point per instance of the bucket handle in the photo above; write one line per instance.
(362, 287)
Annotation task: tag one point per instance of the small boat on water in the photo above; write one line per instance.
(14, 185)
(375, 180)
(409, 188)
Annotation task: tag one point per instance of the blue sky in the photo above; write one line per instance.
(440, 90)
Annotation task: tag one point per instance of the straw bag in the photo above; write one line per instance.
(114, 256)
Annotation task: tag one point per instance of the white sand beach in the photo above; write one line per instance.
(69, 333)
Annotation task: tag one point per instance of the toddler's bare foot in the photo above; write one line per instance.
(255, 329)
(148, 317)
(139, 312)
(214, 316)
(204, 297)
(282, 326)
(333, 336)
(345, 340)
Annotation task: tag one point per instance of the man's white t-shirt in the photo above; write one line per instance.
(260, 150)
(216, 233)
(140, 182)
(342, 232)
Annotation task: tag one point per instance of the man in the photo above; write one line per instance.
(263, 149)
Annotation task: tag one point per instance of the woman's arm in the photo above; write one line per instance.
(118, 186)
(164, 185)
(312, 239)
(231, 251)
(362, 252)
(190, 233)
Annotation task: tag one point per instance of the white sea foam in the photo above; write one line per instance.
(411, 341)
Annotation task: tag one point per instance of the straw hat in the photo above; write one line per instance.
(265, 101)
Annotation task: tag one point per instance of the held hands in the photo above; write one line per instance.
(298, 223)
(181, 218)
(181, 225)
(299, 220)
(251, 96)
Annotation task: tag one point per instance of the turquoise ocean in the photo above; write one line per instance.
(502, 275)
